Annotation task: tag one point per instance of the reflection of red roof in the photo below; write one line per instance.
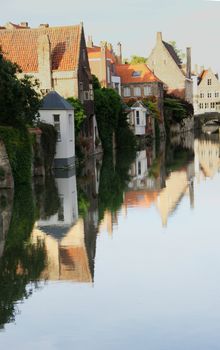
(127, 73)
(141, 198)
(95, 52)
(20, 46)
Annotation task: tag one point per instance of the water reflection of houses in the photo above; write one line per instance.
(207, 156)
(151, 185)
(64, 236)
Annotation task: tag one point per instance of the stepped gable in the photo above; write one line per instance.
(135, 73)
(20, 46)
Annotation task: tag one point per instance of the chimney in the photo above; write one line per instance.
(24, 24)
(44, 25)
(188, 62)
(159, 37)
(44, 62)
(109, 46)
(119, 53)
(89, 41)
(103, 78)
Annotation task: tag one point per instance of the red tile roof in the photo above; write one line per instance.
(20, 46)
(95, 52)
(127, 73)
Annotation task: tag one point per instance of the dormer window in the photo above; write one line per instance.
(136, 74)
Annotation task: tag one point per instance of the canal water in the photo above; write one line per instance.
(123, 255)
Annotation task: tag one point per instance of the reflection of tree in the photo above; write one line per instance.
(177, 157)
(47, 199)
(22, 262)
(114, 180)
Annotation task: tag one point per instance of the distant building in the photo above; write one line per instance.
(102, 61)
(55, 110)
(168, 67)
(207, 92)
(140, 120)
(139, 82)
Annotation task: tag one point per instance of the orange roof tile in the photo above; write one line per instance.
(20, 46)
(95, 52)
(127, 71)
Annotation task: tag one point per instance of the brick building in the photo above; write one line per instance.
(102, 61)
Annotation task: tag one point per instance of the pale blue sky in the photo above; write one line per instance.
(192, 23)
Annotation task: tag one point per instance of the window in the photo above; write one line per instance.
(137, 117)
(127, 92)
(137, 91)
(201, 105)
(136, 74)
(209, 94)
(206, 105)
(201, 95)
(91, 92)
(209, 81)
(216, 94)
(212, 104)
(84, 55)
(139, 168)
(56, 121)
(86, 95)
(147, 90)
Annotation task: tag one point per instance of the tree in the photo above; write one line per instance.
(179, 52)
(79, 113)
(19, 101)
(134, 59)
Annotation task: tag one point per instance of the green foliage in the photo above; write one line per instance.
(179, 52)
(79, 113)
(135, 59)
(176, 109)
(19, 102)
(48, 142)
(107, 110)
(18, 147)
(95, 82)
(22, 262)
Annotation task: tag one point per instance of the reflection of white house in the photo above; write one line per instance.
(68, 208)
(138, 118)
(139, 170)
(57, 111)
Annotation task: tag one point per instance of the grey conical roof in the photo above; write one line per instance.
(53, 101)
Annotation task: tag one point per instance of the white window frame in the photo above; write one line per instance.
(137, 88)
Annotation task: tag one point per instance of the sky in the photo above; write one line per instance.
(191, 23)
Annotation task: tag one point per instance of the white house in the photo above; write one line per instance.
(138, 118)
(55, 110)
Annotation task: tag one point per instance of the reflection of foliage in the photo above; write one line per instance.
(177, 157)
(48, 142)
(83, 202)
(22, 262)
(179, 52)
(113, 181)
(154, 170)
(18, 146)
(47, 198)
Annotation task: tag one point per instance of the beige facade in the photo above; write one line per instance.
(167, 66)
(207, 93)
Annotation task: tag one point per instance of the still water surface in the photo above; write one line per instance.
(124, 256)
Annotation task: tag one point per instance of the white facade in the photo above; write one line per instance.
(138, 118)
(207, 93)
(67, 214)
(116, 83)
